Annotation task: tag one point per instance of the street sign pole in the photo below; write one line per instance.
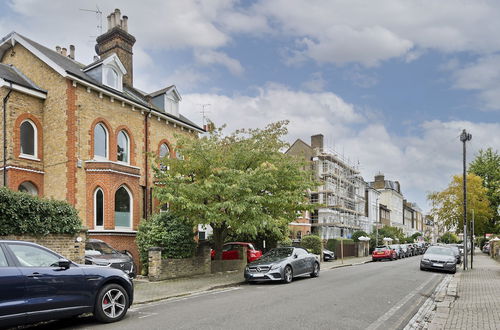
(464, 137)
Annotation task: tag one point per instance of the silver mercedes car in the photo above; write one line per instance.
(283, 264)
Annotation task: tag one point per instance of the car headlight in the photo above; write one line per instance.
(275, 266)
(100, 263)
(425, 260)
(247, 269)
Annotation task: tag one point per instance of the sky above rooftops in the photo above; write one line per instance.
(390, 83)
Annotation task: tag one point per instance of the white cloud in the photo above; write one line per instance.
(208, 57)
(483, 76)
(316, 83)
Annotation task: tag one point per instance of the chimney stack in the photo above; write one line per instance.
(118, 41)
(64, 51)
(317, 142)
(72, 52)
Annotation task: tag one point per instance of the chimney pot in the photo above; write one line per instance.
(118, 17)
(58, 49)
(109, 22)
(125, 23)
(72, 52)
(64, 51)
(113, 21)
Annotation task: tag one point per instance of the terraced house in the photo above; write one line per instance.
(83, 133)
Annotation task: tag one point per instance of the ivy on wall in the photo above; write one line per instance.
(23, 214)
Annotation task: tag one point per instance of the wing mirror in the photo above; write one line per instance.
(63, 263)
(295, 256)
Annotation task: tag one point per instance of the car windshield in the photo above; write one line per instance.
(100, 247)
(381, 248)
(278, 253)
(445, 251)
(393, 246)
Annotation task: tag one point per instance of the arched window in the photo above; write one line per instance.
(28, 139)
(123, 208)
(123, 145)
(28, 187)
(164, 150)
(100, 141)
(98, 208)
(178, 155)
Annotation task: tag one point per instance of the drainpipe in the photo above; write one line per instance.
(5, 100)
(146, 165)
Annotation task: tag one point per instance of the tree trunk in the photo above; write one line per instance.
(220, 234)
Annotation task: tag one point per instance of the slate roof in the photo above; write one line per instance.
(11, 74)
(75, 68)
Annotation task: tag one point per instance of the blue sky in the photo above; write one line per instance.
(389, 83)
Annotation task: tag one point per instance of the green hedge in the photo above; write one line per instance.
(312, 243)
(23, 214)
(167, 231)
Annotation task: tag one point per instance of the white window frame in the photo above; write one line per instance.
(95, 208)
(119, 77)
(35, 144)
(131, 218)
(99, 157)
(32, 189)
(128, 146)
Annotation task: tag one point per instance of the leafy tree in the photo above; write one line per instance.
(312, 243)
(416, 235)
(240, 183)
(487, 166)
(447, 205)
(448, 238)
(358, 234)
(167, 231)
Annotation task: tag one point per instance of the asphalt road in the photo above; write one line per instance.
(377, 295)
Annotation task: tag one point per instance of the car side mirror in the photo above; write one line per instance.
(63, 263)
(295, 256)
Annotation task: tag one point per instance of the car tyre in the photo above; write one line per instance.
(111, 303)
(287, 275)
(315, 272)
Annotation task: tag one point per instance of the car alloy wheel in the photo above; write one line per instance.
(288, 274)
(112, 303)
(315, 272)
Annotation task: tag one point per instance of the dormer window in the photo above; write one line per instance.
(108, 71)
(167, 100)
(111, 78)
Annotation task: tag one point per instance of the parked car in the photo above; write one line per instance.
(440, 258)
(383, 252)
(99, 253)
(328, 255)
(486, 248)
(458, 255)
(37, 284)
(283, 264)
(397, 248)
(230, 251)
(406, 250)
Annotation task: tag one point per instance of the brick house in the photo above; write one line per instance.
(83, 133)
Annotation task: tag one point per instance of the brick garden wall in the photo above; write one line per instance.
(163, 269)
(65, 245)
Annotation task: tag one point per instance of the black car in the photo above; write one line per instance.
(99, 253)
(328, 255)
(37, 284)
(283, 264)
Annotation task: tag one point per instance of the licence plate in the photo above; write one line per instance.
(257, 275)
(438, 265)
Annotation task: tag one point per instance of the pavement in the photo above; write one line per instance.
(467, 300)
(146, 291)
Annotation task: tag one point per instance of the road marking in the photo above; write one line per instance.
(190, 296)
(400, 304)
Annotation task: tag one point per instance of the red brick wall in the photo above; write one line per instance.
(15, 177)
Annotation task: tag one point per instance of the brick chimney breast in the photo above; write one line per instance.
(317, 142)
(118, 40)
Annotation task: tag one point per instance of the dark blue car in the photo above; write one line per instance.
(37, 284)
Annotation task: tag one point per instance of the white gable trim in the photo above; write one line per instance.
(23, 89)
(16, 38)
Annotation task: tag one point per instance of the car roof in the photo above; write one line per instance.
(241, 243)
(94, 240)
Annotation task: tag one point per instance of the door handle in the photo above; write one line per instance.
(34, 275)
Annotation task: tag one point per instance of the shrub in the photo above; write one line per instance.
(448, 238)
(312, 243)
(287, 241)
(164, 230)
(23, 214)
(358, 234)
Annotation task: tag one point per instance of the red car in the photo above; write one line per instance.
(384, 252)
(230, 251)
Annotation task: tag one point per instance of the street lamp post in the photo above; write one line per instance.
(464, 137)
